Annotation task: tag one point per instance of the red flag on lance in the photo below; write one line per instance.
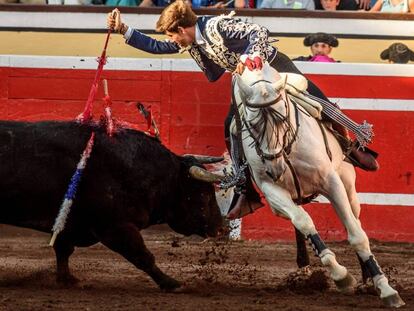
(110, 127)
(86, 115)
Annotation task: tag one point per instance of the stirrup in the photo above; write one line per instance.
(241, 208)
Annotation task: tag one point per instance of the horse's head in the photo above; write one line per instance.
(260, 88)
(265, 115)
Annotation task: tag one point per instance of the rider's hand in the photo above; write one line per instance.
(239, 68)
(113, 20)
(252, 63)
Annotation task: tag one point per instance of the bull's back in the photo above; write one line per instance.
(37, 161)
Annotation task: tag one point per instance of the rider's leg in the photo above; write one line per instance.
(365, 160)
(248, 200)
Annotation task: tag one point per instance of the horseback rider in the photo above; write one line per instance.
(217, 44)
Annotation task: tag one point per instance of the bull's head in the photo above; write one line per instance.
(198, 212)
(201, 173)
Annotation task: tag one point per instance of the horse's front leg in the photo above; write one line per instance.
(337, 195)
(281, 203)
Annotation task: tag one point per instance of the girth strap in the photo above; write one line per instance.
(325, 140)
(295, 179)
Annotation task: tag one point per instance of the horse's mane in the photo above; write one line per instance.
(269, 118)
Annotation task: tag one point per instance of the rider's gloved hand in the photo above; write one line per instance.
(258, 62)
(114, 22)
(252, 62)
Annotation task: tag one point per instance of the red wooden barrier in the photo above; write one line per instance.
(190, 113)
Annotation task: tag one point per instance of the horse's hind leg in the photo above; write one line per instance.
(281, 203)
(348, 177)
(337, 195)
(302, 257)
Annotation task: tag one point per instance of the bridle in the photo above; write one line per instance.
(262, 105)
(267, 114)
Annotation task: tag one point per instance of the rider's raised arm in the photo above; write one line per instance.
(145, 43)
(137, 39)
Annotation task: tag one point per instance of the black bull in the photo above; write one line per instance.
(131, 181)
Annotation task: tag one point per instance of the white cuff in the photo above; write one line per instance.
(243, 58)
(128, 33)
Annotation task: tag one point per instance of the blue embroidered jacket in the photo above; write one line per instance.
(227, 39)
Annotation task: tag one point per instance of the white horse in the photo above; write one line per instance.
(288, 157)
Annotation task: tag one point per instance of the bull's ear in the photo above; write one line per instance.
(203, 159)
(204, 175)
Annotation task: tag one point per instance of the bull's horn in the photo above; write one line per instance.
(204, 175)
(204, 159)
(246, 90)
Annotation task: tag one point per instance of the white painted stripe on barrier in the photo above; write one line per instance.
(118, 63)
(73, 62)
(352, 26)
(357, 69)
(83, 20)
(391, 199)
(375, 104)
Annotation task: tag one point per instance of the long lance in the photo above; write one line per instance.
(69, 197)
(86, 115)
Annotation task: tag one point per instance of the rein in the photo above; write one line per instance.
(268, 114)
(263, 105)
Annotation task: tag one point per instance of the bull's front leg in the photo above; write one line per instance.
(126, 240)
(63, 249)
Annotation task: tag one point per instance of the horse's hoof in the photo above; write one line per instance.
(347, 284)
(393, 301)
(67, 280)
(169, 284)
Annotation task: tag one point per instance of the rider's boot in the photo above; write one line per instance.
(365, 159)
(246, 198)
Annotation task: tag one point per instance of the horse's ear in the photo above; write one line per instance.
(245, 89)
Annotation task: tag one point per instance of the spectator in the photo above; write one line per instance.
(397, 53)
(196, 3)
(288, 4)
(218, 4)
(70, 2)
(330, 5)
(152, 3)
(122, 2)
(346, 5)
(253, 4)
(321, 45)
(396, 6)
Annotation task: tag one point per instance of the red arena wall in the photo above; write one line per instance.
(190, 114)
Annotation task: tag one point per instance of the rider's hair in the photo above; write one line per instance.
(177, 14)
